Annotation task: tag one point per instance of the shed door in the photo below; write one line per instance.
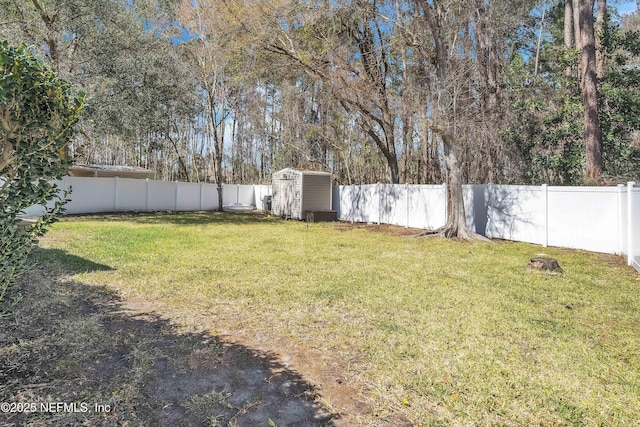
(286, 197)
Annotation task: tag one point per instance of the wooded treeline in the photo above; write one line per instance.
(415, 91)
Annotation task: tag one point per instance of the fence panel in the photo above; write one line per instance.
(97, 195)
(634, 232)
(259, 191)
(393, 204)
(345, 202)
(229, 194)
(235, 193)
(336, 192)
(94, 195)
(39, 210)
(35, 210)
(131, 194)
(188, 196)
(583, 218)
(359, 203)
(162, 196)
(427, 206)
(342, 202)
(246, 195)
(209, 197)
(507, 211)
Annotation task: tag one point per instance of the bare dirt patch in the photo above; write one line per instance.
(394, 230)
(81, 346)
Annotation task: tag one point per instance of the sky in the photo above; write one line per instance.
(627, 7)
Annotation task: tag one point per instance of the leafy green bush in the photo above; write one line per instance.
(37, 115)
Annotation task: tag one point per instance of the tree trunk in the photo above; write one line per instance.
(576, 22)
(389, 149)
(181, 162)
(407, 134)
(601, 14)
(445, 63)
(569, 39)
(456, 225)
(588, 82)
(426, 152)
(431, 169)
(537, 61)
(218, 145)
(489, 59)
(568, 24)
(407, 141)
(393, 171)
(219, 142)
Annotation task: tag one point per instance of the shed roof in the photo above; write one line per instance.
(111, 171)
(303, 171)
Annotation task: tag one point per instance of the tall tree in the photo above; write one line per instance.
(114, 50)
(589, 86)
(219, 48)
(463, 44)
(444, 23)
(600, 31)
(348, 48)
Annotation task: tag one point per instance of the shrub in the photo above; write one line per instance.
(37, 116)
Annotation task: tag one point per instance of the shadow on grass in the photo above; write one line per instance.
(182, 218)
(80, 345)
(58, 260)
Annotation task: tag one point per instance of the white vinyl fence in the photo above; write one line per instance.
(93, 195)
(629, 210)
(415, 206)
(599, 219)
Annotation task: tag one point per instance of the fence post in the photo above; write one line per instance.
(406, 190)
(115, 194)
(545, 197)
(146, 203)
(446, 202)
(257, 196)
(630, 224)
(200, 204)
(379, 190)
(331, 196)
(620, 219)
(177, 189)
(353, 203)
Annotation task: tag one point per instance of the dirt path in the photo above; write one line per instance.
(73, 354)
(69, 347)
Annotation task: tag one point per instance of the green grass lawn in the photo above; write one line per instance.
(443, 332)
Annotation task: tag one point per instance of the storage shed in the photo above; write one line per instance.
(299, 192)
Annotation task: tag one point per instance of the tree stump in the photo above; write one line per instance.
(545, 264)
